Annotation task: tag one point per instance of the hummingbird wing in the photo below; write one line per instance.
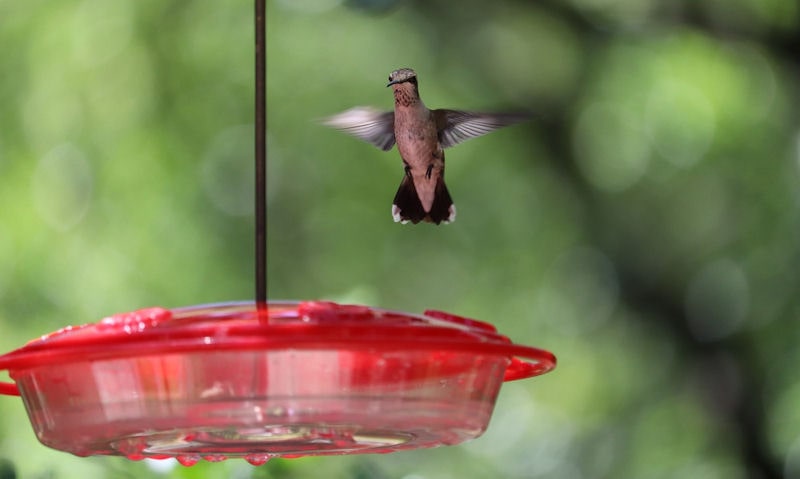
(456, 126)
(365, 123)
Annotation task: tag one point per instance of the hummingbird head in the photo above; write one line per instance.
(401, 76)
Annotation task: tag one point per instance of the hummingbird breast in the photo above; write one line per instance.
(416, 137)
(418, 144)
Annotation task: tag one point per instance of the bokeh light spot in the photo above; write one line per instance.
(62, 187)
(610, 147)
(625, 13)
(717, 300)
(6, 259)
(525, 452)
(531, 55)
(581, 291)
(310, 6)
(51, 114)
(100, 30)
(227, 171)
(122, 95)
(791, 465)
(797, 150)
(680, 122)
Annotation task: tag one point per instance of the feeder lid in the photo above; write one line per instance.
(301, 326)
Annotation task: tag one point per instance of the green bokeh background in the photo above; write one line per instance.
(645, 226)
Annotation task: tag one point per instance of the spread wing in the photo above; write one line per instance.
(365, 123)
(457, 126)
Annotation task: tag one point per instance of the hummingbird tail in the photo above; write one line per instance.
(407, 206)
(443, 209)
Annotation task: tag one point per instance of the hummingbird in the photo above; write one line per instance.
(421, 136)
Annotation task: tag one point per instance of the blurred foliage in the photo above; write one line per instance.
(645, 226)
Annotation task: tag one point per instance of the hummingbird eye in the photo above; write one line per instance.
(390, 77)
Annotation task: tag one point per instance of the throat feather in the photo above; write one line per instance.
(402, 98)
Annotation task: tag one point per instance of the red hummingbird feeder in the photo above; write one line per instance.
(262, 379)
(258, 381)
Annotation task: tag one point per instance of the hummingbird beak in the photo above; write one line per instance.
(393, 82)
